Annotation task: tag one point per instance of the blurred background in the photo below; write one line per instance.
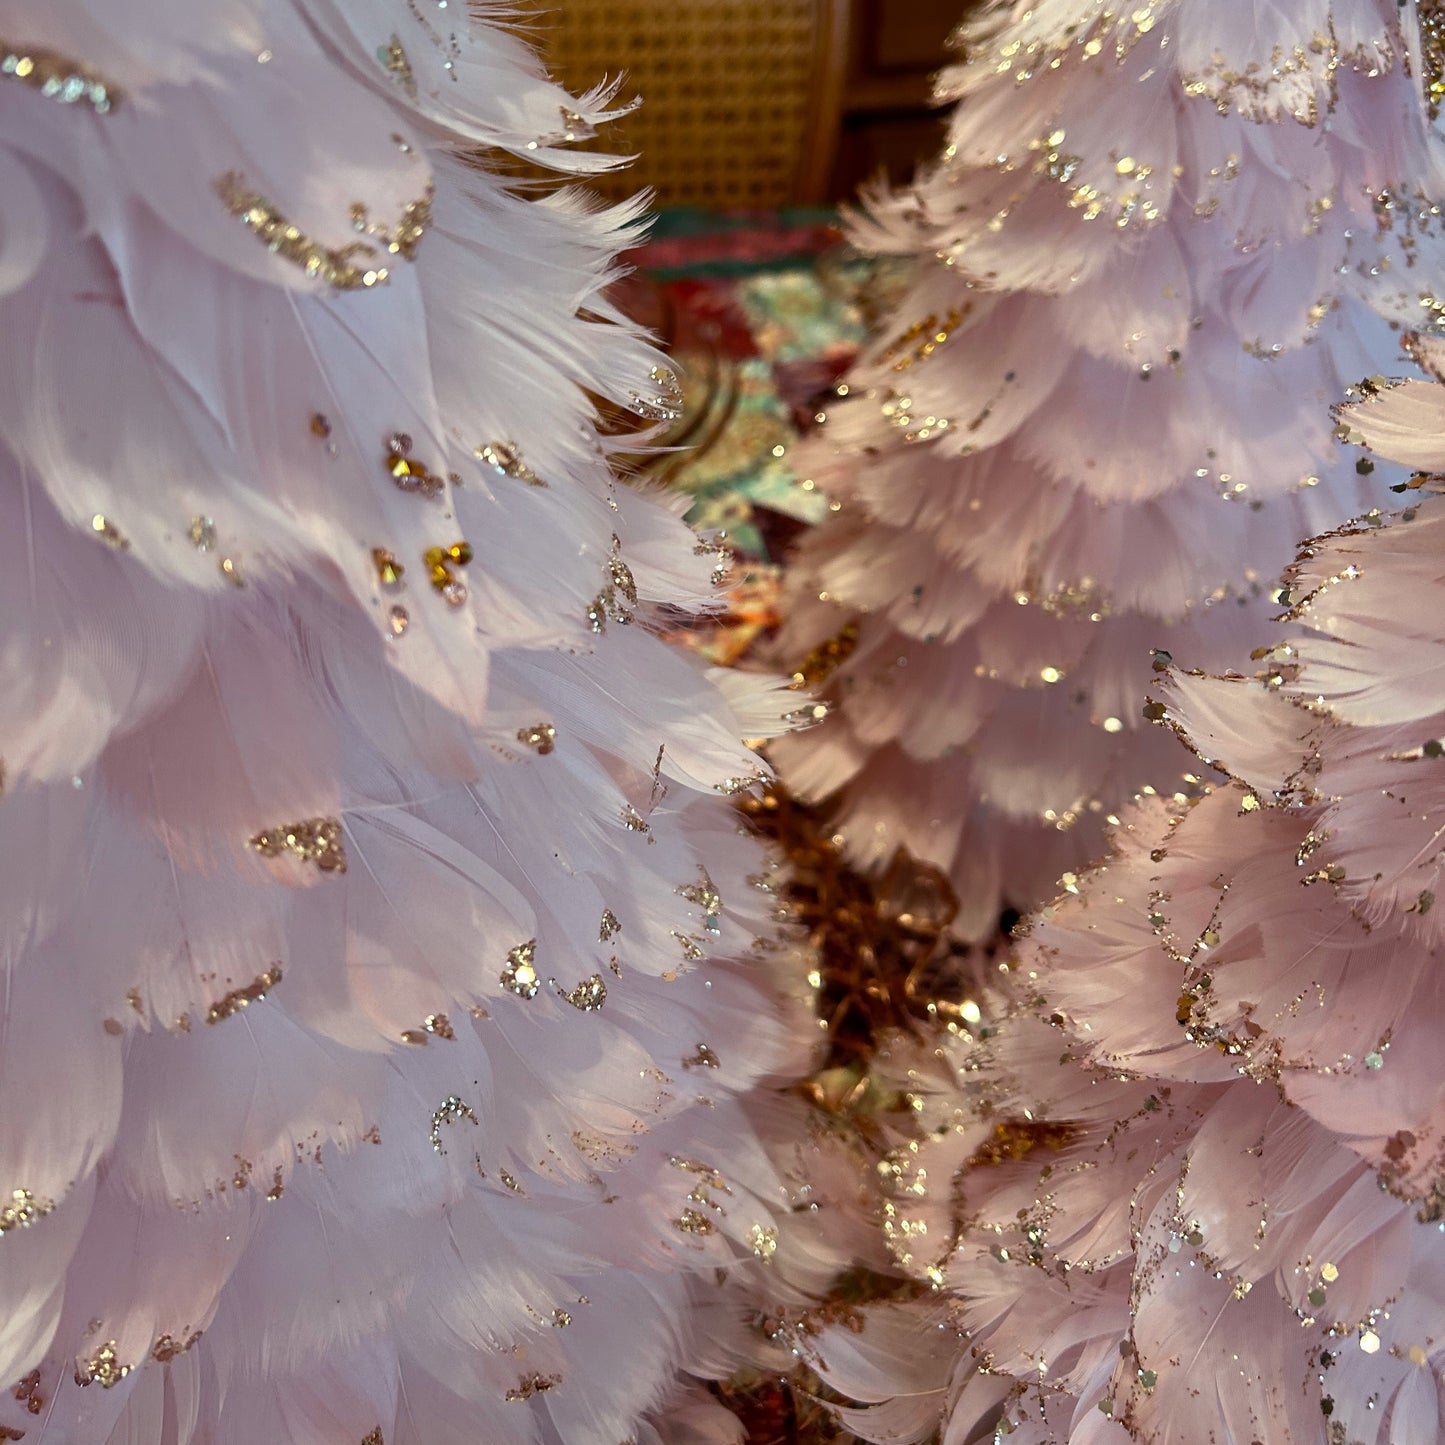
(759, 103)
(759, 118)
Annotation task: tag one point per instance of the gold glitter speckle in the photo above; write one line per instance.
(705, 895)
(313, 840)
(590, 994)
(452, 1109)
(533, 1384)
(610, 926)
(704, 1058)
(103, 1368)
(690, 1221)
(540, 737)
(167, 1347)
(764, 1241)
(336, 266)
(241, 998)
(23, 1210)
(57, 78)
(506, 458)
(394, 58)
(520, 974)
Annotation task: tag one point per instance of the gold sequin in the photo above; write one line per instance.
(764, 1241)
(241, 998)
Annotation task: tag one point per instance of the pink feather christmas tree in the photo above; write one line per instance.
(1193, 1188)
(372, 1056)
(1160, 241)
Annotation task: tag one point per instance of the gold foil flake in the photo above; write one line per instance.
(337, 267)
(590, 994)
(313, 840)
(520, 974)
(389, 571)
(633, 820)
(705, 895)
(452, 1111)
(109, 533)
(540, 737)
(103, 1368)
(23, 1210)
(666, 403)
(610, 926)
(168, 1347)
(533, 1384)
(764, 1241)
(242, 998)
(202, 533)
(57, 77)
(403, 238)
(394, 59)
(506, 458)
(704, 1058)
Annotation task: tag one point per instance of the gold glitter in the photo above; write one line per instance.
(202, 533)
(23, 1210)
(540, 737)
(560, 1319)
(1432, 46)
(440, 1025)
(590, 994)
(690, 1221)
(923, 338)
(666, 405)
(56, 77)
(167, 1347)
(452, 1109)
(616, 601)
(826, 657)
(103, 1368)
(241, 998)
(404, 238)
(633, 820)
(394, 58)
(704, 1058)
(337, 267)
(706, 896)
(108, 532)
(764, 1241)
(691, 949)
(506, 458)
(520, 974)
(28, 1393)
(409, 474)
(610, 926)
(510, 1183)
(533, 1384)
(389, 571)
(313, 840)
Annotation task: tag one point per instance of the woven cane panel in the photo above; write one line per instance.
(728, 89)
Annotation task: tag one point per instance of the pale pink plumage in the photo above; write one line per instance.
(294, 1155)
(1195, 1188)
(1161, 241)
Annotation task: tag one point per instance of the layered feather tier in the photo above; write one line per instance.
(1193, 1188)
(384, 965)
(1160, 242)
